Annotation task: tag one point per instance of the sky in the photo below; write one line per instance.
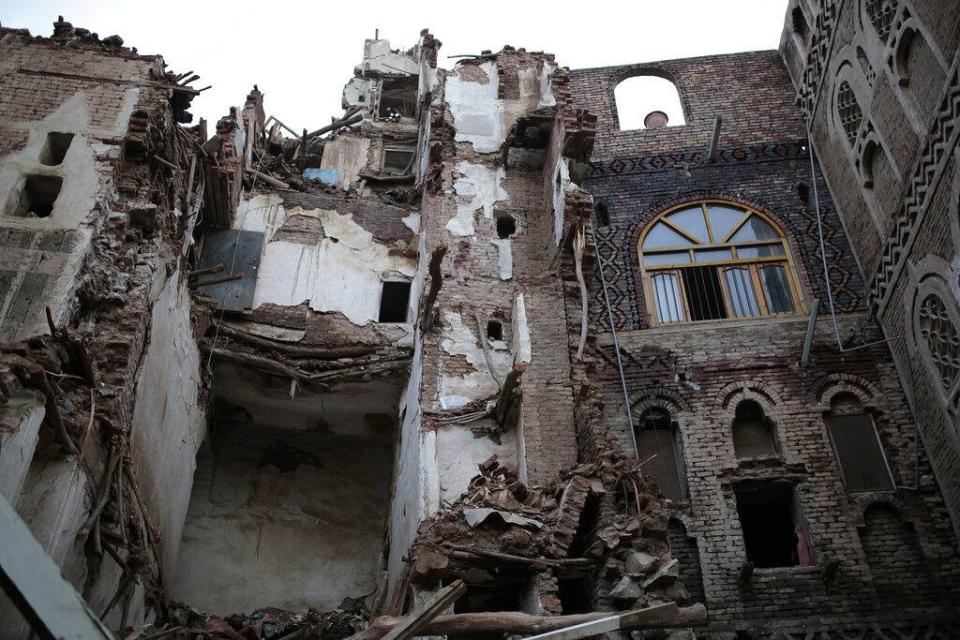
(300, 54)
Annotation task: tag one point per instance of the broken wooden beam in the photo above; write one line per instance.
(411, 625)
(466, 553)
(339, 124)
(296, 351)
(526, 624)
(280, 184)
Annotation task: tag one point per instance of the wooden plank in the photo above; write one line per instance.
(413, 623)
(645, 618)
(33, 583)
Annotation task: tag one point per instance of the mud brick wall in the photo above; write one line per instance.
(896, 185)
(762, 162)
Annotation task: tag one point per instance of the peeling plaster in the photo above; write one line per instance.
(522, 350)
(412, 221)
(505, 265)
(479, 187)
(477, 113)
(561, 182)
(458, 340)
(262, 213)
(547, 98)
(341, 272)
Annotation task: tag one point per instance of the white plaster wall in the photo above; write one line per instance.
(342, 272)
(168, 420)
(87, 162)
(477, 113)
(458, 338)
(17, 447)
(416, 484)
(460, 452)
(482, 119)
(478, 189)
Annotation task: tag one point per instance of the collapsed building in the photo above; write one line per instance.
(480, 347)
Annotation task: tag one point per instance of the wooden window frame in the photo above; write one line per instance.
(753, 264)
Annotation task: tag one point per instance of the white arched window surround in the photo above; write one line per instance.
(644, 92)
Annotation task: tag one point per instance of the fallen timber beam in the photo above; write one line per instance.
(411, 625)
(345, 122)
(295, 351)
(259, 175)
(656, 617)
(464, 553)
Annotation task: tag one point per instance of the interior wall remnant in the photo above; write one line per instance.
(283, 518)
(337, 266)
(169, 416)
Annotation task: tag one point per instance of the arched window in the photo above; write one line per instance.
(857, 446)
(713, 260)
(849, 113)
(753, 435)
(881, 14)
(647, 102)
(659, 450)
(941, 340)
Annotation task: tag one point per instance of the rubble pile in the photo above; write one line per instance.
(185, 623)
(601, 521)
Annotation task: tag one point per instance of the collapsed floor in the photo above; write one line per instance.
(358, 381)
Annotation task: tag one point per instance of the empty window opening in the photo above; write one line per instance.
(495, 330)
(799, 23)
(38, 196)
(576, 595)
(772, 531)
(55, 149)
(393, 302)
(603, 215)
(641, 97)
(657, 436)
(398, 161)
(857, 446)
(398, 98)
(753, 434)
(506, 226)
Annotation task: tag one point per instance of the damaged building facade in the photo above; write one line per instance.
(481, 357)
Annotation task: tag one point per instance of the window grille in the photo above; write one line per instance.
(881, 14)
(714, 260)
(848, 110)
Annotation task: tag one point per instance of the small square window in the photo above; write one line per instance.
(38, 196)
(393, 302)
(55, 149)
(506, 226)
(495, 330)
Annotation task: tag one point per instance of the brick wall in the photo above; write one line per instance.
(763, 163)
(902, 221)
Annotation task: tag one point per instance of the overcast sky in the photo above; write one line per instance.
(301, 53)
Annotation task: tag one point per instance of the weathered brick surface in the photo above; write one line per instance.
(898, 201)
(762, 163)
